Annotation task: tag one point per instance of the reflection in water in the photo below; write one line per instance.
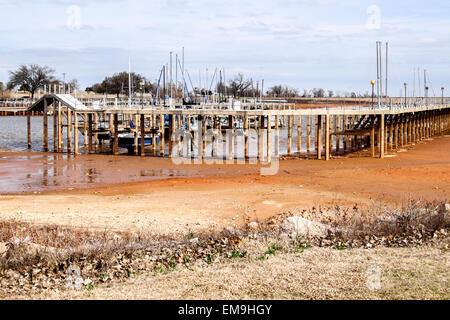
(36, 172)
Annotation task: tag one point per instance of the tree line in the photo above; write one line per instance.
(31, 78)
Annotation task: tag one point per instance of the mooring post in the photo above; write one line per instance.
(75, 133)
(136, 134)
(382, 136)
(269, 138)
(162, 131)
(308, 134)
(171, 123)
(299, 134)
(154, 134)
(95, 130)
(372, 135)
(277, 135)
(142, 126)
(90, 132)
(319, 137)
(45, 135)
(246, 155)
(69, 130)
(85, 130)
(231, 136)
(327, 137)
(60, 128)
(55, 128)
(29, 128)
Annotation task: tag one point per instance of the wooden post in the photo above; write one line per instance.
(75, 133)
(136, 134)
(382, 136)
(277, 136)
(171, 123)
(29, 128)
(69, 130)
(217, 135)
(162, 130)
(142, 123)
(269, 138)
(327, 137)
(338, 136)
(246, 155)
(319, 137)
(60, 128)
(85, 130)
(372, 135)
(45, 135)
(231, 142)
(308, 134)
(95, 129)
(391, 133)
(154, 134)
(55, 128)
(289, 142)
(89, 132)
(299, 134)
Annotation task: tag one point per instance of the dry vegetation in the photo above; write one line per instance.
(409, 245)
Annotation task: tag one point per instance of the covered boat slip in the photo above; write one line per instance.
(335, 131)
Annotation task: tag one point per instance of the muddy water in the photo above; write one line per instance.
(32, 171)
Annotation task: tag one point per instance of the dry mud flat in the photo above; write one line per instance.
(220, 195)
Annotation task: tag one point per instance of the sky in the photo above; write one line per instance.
(308, 44)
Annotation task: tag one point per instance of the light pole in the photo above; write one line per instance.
(406, 87)
(372, 82)
(442, 95)
(426, 95)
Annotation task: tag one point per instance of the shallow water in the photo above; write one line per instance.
(25, 171)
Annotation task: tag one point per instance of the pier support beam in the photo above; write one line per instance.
(69, 131)
(269, 138)
(75, 133)
(381, 135)
(45, 133)
(319, 137)
(142, 123)
(89, 133)
(327, 137)
(162, 141)
(29, 128)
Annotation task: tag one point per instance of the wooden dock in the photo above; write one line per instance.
(336, 130)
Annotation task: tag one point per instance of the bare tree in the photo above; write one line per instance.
(30, 78)
(238, 85)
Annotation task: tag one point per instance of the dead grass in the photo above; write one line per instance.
(315, 273)
(39, 259)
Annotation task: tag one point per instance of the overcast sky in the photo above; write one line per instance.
(301, 43)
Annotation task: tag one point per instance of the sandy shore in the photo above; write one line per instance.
(201, 196)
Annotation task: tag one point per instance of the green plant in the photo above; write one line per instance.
(237, 254)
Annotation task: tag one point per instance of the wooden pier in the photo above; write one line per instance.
(336, 131)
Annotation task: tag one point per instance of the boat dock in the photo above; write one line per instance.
(320, 132)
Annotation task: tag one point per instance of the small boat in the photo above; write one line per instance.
(126, 140)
